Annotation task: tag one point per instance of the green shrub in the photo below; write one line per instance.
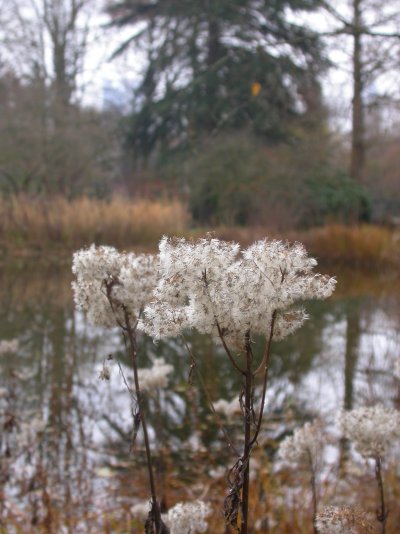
(233, 180)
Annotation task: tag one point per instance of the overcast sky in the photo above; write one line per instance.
(106, 81)
(111, 82)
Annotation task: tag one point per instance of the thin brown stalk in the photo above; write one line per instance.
(382, 513)
(313, 484)
(210, 402)
(228, 352)
(121, 372)
(131, 333)
(220, 333)
(247, 438)
(266, 358)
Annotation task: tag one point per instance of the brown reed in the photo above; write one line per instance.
(43, 222)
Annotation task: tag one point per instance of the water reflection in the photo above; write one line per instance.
(78, 455)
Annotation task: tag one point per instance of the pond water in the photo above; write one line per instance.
(68, 432)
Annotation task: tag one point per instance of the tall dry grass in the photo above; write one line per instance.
(366, 246)
(361, 245)
(55, 224)
(42, 222)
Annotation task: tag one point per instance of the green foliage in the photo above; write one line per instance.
(333, 195)
(217, 66)
(235, 180)
(222, 181)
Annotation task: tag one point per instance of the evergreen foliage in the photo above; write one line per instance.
(213, 66)
(236, 180)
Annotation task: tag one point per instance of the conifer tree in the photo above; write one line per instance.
(219, 65)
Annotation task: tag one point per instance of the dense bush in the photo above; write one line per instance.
(235, 180)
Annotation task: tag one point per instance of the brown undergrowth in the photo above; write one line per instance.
(366, 246)
(56, 223)
(59, 226)
(280, 502)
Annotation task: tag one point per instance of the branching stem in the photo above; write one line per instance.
(131, 333)
(247, 437)
(211, 404)
(265, 365)
(219, 329)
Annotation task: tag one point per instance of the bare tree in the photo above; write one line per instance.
(373, 31)
(47, 40)
(48, 141)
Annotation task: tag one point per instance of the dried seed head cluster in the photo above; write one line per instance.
(343, 520)
(215, 287)
(156, 376)
(373, 430)
(188, 517)
(141, 509)
(227, 408)
(105, 372)
(304, 447)
(8, 346)
(104, 274)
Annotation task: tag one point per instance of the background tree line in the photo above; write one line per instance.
(229, 112)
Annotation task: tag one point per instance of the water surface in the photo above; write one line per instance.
(70, 432)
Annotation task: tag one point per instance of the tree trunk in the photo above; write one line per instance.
(353, 333)
(357, 162)
(213, 55)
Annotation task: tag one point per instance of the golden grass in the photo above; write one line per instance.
(366, 246)
(58, 225)
(40, 222)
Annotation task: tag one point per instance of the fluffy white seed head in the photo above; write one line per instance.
(156, 376)
(141, 510)
(105, 372)
(103, 274)
(9, 346)
(227, 408)
(343, 520)
(188, 517)
(304, 447)
(212, 286)
(373, 430)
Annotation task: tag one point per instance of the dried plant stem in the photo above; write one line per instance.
(247, 438)
(240, 483)
(220, 332)
(313, 484)
(382, 512)
(208, 398)
(131, 333)
(265, 367)
(228, 352)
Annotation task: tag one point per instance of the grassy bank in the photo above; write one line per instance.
(367, 246)
(48, 223)
(58, 227)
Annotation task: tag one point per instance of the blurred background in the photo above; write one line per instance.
(121, 121)
(282, 115)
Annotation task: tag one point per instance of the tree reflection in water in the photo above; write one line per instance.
(76, 468)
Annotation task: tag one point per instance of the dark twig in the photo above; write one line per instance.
(313, 483)
(220, 332)
(247, 437)
(382, 513)
(129, 332)
(194, 368)
(155, 513)
(265, 364)
(228, 352)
